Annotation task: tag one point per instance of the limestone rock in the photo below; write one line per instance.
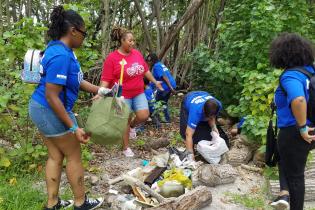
(239, 154)
(213, 175)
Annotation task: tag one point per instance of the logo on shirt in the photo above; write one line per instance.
(135, 69)
(61, 76)
(200, 99)
(164, 68)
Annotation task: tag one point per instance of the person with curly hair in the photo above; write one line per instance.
(135, 69)
(50, 109)
(290, 51)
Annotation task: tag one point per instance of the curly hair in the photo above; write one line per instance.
(61, 20)
(119, 33)
(290, 50)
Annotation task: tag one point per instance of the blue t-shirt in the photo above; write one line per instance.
(296, 84)
(160, 70)
(60, 67)
(149, 94)
(194, 103)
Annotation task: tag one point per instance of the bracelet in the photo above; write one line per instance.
(73, 129)
(303, 129)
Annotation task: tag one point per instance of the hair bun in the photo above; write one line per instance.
(117, 33)
(57, 15)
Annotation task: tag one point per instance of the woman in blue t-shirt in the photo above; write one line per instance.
(162, 74)
(51, 104)
(289, 51)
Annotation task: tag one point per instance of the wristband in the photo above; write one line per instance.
(303, 129)
(73, 129)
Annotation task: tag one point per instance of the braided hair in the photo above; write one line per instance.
(61, 20)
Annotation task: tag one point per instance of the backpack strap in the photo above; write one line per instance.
(298, 69)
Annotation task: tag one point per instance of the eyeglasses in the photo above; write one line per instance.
(82, 32)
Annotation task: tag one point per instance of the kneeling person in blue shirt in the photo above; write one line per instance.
(198, 117)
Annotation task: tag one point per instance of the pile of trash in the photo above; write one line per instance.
(161, 180)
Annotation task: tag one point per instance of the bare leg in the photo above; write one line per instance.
(71, 149)
(141, 117)
(53, 172)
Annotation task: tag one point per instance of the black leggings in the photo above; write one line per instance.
(293, 151)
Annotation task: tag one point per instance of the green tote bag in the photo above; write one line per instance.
(107, 121)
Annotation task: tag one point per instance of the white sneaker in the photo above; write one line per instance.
(128, 152)
(132, 133)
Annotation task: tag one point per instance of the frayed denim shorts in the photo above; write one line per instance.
(47, 122)
(138, 103)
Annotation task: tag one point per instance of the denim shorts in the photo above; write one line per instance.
(137, 103)
(47, 121)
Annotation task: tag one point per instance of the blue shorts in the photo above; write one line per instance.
(47, 121)
(137, 103)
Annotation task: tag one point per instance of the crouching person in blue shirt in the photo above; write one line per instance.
(162, 74)
(198, 118)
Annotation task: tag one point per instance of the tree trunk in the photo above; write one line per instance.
(7, 9)
(192, 200)
(180, 52)
(28, 8)
(144, 25)
(105, 28)
(177, 26)
(218, 17)
(14, 15)
(159, 29)
(1, 14)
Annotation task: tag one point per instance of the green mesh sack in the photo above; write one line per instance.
(107, 121)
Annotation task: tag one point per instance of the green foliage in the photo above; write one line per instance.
(251, 201)
(237, 71)
(271, 173)
(27, 158)
(176, 139)
(16, 193)
(4, 160)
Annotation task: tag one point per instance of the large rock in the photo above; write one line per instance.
(193, 200)
(213, 175)
(239, 154)
(259, 158)
(156, 144)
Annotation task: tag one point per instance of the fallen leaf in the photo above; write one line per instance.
(13, 181)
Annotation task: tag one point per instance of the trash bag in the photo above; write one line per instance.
(108, 120)
(212, 150)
